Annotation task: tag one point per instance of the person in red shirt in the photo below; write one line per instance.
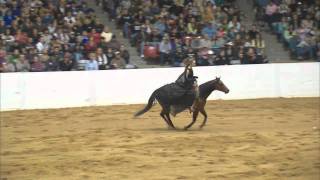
(21, 37)
(91, 46)
(95, 35)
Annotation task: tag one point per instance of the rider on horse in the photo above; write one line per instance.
(187, 81)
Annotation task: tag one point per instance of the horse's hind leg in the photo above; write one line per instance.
(163, 115)
(194, 118)
(169, 120)
(203, 112)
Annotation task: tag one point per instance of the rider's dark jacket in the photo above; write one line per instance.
(186, 79)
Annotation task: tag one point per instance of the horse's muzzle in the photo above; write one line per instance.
(227, 91)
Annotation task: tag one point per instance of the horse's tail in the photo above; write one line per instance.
(148, 106)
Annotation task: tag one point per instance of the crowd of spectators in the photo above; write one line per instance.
(209, 31)
(296, 24)
(56, 35)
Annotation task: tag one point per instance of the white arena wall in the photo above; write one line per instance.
(92, 88)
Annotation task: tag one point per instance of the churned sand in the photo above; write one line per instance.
(244, 139)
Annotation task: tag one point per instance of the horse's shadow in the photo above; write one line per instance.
(173, 130)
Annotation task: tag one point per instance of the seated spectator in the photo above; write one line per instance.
(160, 25)
(106, 34)
(110, 55)
(253, 32)
(117, 62)
(178, 58)
(230, 51)
(209, 30)
(234, 23)
(146, 29)
(203, 57)
(196, 42)
(102, 59)
(13, 58)
(114, 43)
(69, 19)
(125, 19)
(91, 46)
(78, 52)
(7, 38)
(271, 10)
(99, 26)
(211, 57)
(42, 45)
(8, 67)
(247, 41)
(37, 65)
(192, 28)
(259, 44)
(135, 33)
(8, 18)
(290, 36)
(206, 42)
(44, 56)
(51, 64)
(306, 47)
(47, 18)
(165, 51)
(208, 13)
(222, 59)
(22, 65)
(95, 35)
(21, 38)
(238, 41)
(218, 42)
(124, 53)
(62, 36)
(280, 27)
(252, 58)
(221, 32)
(85, 38)
(92, 63)
(66, 64)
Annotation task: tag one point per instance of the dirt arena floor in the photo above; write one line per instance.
(244, 139)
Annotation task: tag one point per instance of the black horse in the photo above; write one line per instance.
(180, 93)
(198, 105)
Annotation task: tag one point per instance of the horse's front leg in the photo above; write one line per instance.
(194, 118)
(203, 112)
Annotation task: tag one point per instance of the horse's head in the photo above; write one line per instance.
(219, 85)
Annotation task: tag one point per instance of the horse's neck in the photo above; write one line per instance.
(206, 90)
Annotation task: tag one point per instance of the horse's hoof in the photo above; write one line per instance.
(171, 128)
(200, 127)
(185, 128)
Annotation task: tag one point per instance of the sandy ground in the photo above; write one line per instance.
(247, 139)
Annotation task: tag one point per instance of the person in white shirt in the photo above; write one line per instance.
(101, 59)
(106, 34)
(69, 19)
(42, 45)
